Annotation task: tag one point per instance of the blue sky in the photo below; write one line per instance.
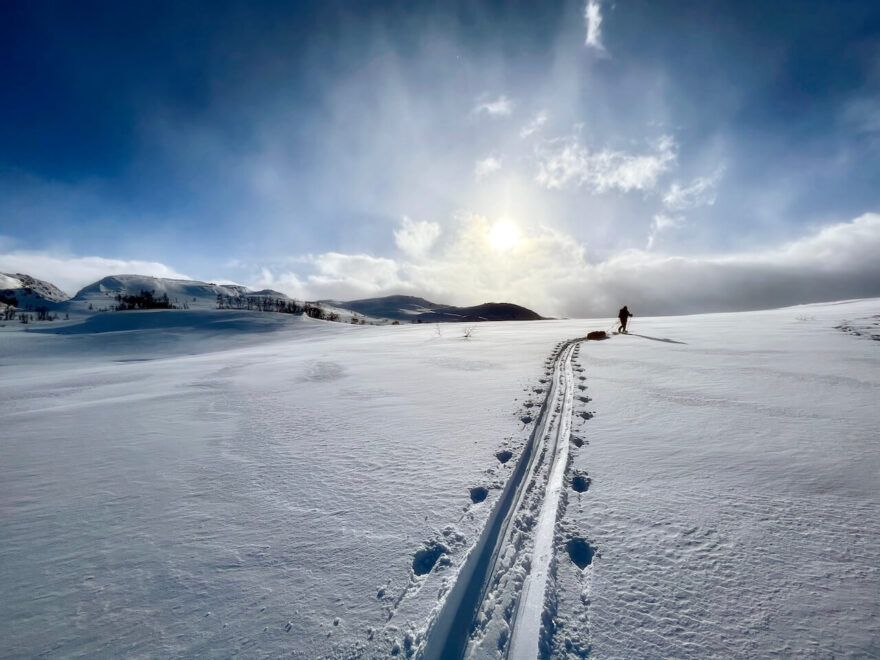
(568, 156)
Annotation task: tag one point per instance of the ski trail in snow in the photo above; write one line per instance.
(448, 636)
(527, 624)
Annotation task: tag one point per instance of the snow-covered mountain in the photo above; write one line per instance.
(398, 308)
(104, 294)
(29, 292)
(107, 293)
(181, 293)
(411, 308)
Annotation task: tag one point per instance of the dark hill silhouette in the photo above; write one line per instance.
(411, 308)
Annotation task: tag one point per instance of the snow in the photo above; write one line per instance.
(31, 292)
(526, 635)
(213, 482)
(9, 282)
(190, 293)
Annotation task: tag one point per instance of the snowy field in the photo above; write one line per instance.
(216, 483)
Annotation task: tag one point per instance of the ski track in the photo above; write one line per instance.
(529, 502)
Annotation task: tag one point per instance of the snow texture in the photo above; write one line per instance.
(29, 291)
(217, 482)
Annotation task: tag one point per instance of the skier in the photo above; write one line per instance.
(623, 315)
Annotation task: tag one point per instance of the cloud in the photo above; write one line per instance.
(485, 167)
(565, 161)
(70, 274)
(837, 262)
(286, 282)
(593, 19)
(661, 223)
(549, 271)
(353, 276)
(700, 192)
(535, 125)
(416, 238)
(500, 107)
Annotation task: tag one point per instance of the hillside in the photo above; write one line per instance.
(142, 292)
(181, 293)
(411, 308)
(29, 292)
(397, 308)
(484, 312)
(105, 294)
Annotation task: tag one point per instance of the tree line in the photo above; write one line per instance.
(279, 305)
(142, 300)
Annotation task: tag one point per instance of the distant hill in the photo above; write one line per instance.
(485, 312)
(396, 308)
(410, 308)
(29, 292)
(105, 294)
(139, 292)
(178, 291)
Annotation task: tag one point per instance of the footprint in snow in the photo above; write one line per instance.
(580, 552)
(503, 456)
(478, 494)
(425, 559)
(580, 483)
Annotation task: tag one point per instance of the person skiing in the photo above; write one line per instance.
(623, 315)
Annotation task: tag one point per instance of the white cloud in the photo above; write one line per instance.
(70, 274)
(701, 191)
(593, 19)
(286, 282)
(416, 238)
(549, 271)
(565, 161)
(535, 125)
(485, 167)
(353, 276)
(837, 262)
(661, 223)
(500, 107)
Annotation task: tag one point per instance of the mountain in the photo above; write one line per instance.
(190, 294)
(485, 312)
(181, 289)
(411, 308)
(103, 295)
(398, 308)
(29, 292)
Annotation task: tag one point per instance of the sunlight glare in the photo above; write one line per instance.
(504, 235)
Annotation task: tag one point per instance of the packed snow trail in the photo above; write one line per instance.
(527, 625)
(448, 637)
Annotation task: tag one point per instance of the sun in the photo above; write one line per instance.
(504, 235)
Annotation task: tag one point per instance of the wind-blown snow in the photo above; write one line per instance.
(9, 282)
(214, 482)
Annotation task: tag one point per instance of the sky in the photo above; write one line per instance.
(571, 157)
